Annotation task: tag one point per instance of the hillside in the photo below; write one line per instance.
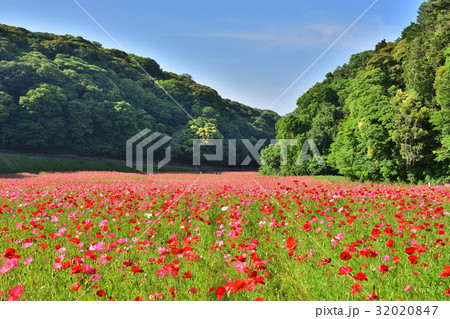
(383, 116)
(68, 95)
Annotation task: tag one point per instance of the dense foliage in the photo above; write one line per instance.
(67, 94)
(385, 115)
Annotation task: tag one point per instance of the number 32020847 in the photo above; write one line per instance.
(406, 310)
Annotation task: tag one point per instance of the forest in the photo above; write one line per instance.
(65, 94)
(384, 115)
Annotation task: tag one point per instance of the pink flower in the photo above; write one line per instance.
(8, 265)
(386, 257)
(407, 288)
(57, 265)
(346, 270)
(27, 261)
(161, 272)
(88, 269)
(103, 261)
(98, 246)
(15, 293)
(240, 267)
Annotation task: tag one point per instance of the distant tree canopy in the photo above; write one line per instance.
(383, 116)
(67, 94)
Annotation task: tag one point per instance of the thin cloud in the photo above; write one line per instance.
(290, 38)
(309, 36)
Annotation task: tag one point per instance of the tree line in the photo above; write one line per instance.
(384, 115)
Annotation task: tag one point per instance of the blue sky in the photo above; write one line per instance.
(249, 51)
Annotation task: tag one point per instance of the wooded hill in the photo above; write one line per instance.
(383, 116)
(67, 94)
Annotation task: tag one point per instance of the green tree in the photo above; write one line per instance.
(6, 102)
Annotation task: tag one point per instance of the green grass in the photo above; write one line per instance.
(22, 164)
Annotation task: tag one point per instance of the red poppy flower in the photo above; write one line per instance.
(192, 291)
(291, 244)
(127, 263)
(346, 270)
(376, 232)
(447, 293)
(396, 259)
(187, 274)
(76, 286)
(410, 250)
(446, 271)
(100, 293)
(220, 292)
(383, 269)
(324, 261)
(15, 293)
(356, 288)
(361, 276)
(172, 243)
(413, 259)
(259, 280)
(76, 269)
(136, 269)
(345, 255)
(307, 227)
(65, 265)
(259, 299)
(389, 243)
(238, 285)
(9, 253)
(172, 292)
(373, 296)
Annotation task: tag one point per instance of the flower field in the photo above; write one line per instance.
(234, 236)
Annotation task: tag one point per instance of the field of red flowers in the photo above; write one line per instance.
(234, 236)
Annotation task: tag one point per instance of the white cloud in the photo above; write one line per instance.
(315, 35)
(289, 38)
